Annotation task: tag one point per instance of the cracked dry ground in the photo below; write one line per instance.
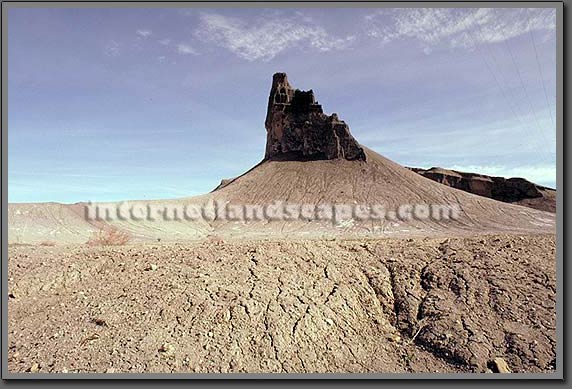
(388, 305)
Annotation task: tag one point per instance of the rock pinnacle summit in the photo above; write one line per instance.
(298, 129)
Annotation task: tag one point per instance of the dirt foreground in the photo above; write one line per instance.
(477, 304)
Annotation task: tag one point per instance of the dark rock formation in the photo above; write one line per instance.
(298, 129)
(508, 190)
(224, 182)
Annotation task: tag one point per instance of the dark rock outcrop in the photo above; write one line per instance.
(298, 129)
(508, 190)
(224, 182)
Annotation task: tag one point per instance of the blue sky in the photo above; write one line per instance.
(117, 104)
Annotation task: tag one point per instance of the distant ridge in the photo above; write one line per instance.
(509, 190)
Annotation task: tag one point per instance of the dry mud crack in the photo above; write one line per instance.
(358, 306)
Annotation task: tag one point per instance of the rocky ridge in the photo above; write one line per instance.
(508, 190)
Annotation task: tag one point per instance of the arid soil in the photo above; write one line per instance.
(474, 304)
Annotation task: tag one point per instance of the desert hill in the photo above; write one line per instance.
(476, 293)
(377, 181)
(311, 158)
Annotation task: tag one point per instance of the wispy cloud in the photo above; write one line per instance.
(457, 27)
(165, 42)
(112, 49)
(183, 48)
(266, 38)
(144, 33)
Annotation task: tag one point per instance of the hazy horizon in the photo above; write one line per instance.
(109, 104)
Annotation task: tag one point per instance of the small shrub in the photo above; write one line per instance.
(48, 243)
(109, 237)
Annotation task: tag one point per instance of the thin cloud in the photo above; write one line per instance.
(185, 49)
(144, 33)
(112, 49)
(457, 28)
(265, 39)
(165, 42)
